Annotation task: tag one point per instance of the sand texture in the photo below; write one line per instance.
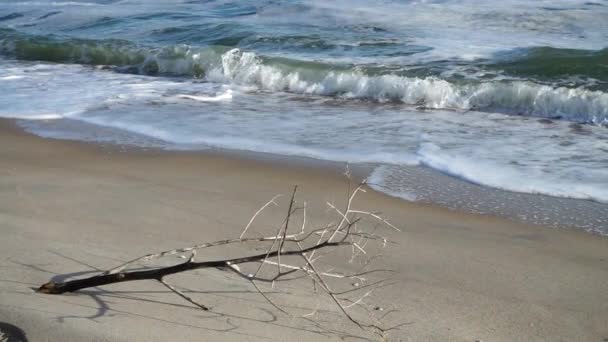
(72, 208)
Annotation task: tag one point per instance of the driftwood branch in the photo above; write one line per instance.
(160, 273)
(307, 245)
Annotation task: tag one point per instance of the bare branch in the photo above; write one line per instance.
(377, 217)
(181, 294)
(318, 251)
(272, 201)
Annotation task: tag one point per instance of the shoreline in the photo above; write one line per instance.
(464, 197)
(70, 206)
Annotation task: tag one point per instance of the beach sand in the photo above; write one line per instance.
(73, 208)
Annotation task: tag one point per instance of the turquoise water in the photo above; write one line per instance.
(508, 96)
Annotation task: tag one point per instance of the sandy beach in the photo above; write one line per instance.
(74, 208)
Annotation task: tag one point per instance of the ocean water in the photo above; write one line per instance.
(491, 107)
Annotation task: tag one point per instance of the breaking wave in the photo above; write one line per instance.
(234, 66)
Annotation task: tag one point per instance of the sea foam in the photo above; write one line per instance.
(513, 97)
(236, 66)
(501, 176)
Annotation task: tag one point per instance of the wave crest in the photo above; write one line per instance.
(513, 97)
(234, 66)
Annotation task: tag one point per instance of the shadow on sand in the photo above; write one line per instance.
(11, 333)
(102, 300)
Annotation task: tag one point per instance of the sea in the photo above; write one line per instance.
(491, 107)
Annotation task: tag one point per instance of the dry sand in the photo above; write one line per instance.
(72, 208)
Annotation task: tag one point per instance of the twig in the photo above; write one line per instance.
(181, 294)
(272, 201)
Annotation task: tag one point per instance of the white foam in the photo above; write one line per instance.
(67, 91)
(38, 116)
(11, 77)
(519, 97)
(226, 96)
(381, 176)
(535, 180)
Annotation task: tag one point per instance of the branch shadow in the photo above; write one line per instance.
(11, 333)
(103, 308)
(101, 297)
